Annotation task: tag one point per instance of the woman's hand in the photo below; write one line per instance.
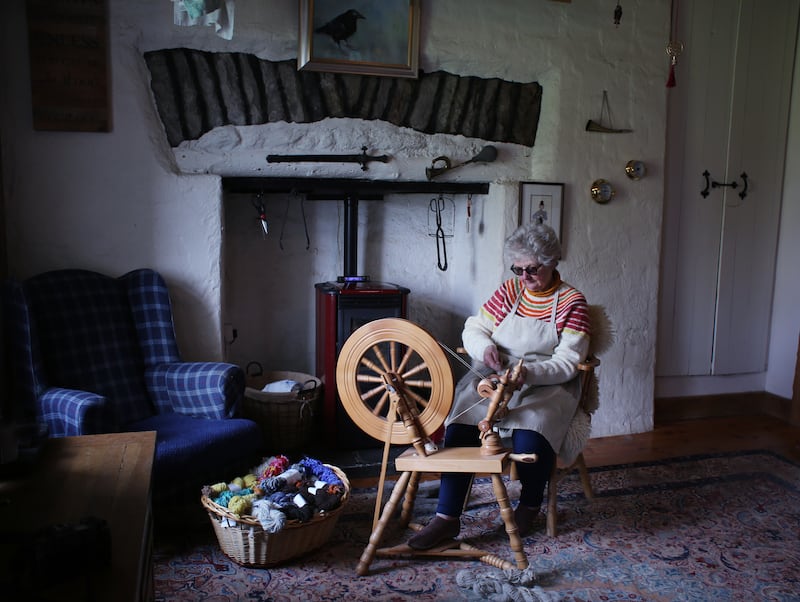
(491, 357)
(523, 374)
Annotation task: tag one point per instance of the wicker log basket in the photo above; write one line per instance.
(246, 543)
(286, 419)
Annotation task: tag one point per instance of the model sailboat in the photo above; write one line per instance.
(597, 126)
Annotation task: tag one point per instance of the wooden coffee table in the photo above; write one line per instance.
(102, 476)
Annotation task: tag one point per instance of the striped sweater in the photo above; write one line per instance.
(572, 325)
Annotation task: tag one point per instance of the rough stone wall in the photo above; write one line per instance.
(196, 91)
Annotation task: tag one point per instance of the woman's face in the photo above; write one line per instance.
(535, 276)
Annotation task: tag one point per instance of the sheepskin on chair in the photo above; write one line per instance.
(580, 429)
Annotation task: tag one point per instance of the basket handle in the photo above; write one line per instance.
(254, 364)
(306, 411)
(305, 392)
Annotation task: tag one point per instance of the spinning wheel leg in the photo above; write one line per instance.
(501, 493)
(377, 533)
(409, 499)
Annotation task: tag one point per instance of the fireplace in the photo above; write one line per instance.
(348, 300)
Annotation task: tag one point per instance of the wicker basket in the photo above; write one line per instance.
(246, 542)
(286, 419)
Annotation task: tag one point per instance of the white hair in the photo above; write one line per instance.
(533, 240)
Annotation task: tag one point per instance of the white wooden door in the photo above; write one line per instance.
(728, 116)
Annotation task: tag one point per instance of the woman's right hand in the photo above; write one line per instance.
(491, 357)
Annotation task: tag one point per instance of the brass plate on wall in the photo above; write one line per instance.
(602, 191)
(635, 170)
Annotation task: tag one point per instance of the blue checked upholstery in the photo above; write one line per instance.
(96, 354)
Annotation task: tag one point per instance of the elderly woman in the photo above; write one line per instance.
(536, 317)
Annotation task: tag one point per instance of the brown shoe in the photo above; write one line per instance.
(525, 518)
(437, 531)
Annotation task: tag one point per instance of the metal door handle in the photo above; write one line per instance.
(715, 184)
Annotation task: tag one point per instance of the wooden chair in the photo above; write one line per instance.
(570, 456)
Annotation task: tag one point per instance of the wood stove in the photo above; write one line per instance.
(342, 308)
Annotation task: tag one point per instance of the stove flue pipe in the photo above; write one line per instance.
(351, 236)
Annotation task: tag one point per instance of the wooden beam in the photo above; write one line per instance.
(339, 188)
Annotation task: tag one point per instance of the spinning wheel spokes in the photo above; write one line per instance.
(406, 358)
(368, 363)
(379, 354)
(415, 370)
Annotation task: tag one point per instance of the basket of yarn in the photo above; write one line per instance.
(277, 512)
(283, 404)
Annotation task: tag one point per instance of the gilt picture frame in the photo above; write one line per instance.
(363, 37)
(541, 202)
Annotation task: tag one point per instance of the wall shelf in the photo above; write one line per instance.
(340, 188)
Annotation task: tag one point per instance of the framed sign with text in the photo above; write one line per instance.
(70, 83)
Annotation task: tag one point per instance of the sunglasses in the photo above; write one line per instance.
(530, 270)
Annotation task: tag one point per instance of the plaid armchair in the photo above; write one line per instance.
(96, 354)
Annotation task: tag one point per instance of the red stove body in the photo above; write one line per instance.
(343, 307)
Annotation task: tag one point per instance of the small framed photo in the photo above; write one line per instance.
(364, 37)
(541, 202)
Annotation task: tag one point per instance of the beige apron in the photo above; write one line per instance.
(545, 409)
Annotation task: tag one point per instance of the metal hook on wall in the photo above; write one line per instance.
(294, 195)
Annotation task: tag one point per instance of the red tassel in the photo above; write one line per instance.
(671, 79)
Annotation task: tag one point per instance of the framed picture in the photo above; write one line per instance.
(541, 202)
(365, 37)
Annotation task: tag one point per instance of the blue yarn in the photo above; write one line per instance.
(281, 499)
(272, 484)
(322, 472)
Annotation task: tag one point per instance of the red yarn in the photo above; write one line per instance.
(276, 466)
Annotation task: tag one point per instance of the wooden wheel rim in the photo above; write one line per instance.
(403, 345)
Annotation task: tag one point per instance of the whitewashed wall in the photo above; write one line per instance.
(122, 200)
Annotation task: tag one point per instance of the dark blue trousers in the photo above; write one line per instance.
(533, 477)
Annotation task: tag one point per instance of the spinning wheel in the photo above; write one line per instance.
(393, 352)
(396, 384)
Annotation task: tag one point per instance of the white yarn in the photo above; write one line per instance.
(271, 518)
(503, 586)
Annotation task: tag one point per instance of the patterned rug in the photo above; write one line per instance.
(721, 527)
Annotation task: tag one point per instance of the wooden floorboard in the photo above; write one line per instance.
(699, 436)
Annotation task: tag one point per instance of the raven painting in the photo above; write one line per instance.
(342, 27)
